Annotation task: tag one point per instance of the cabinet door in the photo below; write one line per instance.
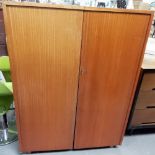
(44, 49)
(112, 50)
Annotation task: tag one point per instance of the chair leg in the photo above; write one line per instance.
(4, 121)
(6, 135)
(4, 128)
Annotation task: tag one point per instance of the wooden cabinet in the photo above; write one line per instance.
(73, 63)
(143, 112)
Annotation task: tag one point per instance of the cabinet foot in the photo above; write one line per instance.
(114, 146)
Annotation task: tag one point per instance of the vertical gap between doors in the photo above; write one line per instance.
(78, 87)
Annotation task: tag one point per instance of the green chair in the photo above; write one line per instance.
(7, 134)
(5, 67)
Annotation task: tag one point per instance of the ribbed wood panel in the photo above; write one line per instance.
(44, 48)
(44, 44)
(112, 49)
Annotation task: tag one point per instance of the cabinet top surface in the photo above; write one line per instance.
(75, 7)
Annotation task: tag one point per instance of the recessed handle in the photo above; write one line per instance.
(148, 123)
(150, 107)
(153, 88)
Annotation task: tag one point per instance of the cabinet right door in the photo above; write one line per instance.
(112, 50)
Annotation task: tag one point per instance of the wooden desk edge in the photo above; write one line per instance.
(147, 65)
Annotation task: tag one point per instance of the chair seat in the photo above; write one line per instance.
(5, 67)
(6, 88)
(4, 63)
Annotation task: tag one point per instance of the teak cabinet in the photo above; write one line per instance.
(74, 72)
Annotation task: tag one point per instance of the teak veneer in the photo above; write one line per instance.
(74, 71)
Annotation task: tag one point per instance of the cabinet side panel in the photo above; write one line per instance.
(44, 49)
(112, 49)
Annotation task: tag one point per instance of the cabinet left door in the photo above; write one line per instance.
(44, 48)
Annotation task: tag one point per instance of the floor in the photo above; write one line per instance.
(132, 145)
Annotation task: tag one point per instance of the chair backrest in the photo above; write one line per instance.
(5, 67)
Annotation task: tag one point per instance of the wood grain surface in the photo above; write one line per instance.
(148, 83)
(143, 117)
(44, 43)
(44, 48)
(112, 49)
(145, 99)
